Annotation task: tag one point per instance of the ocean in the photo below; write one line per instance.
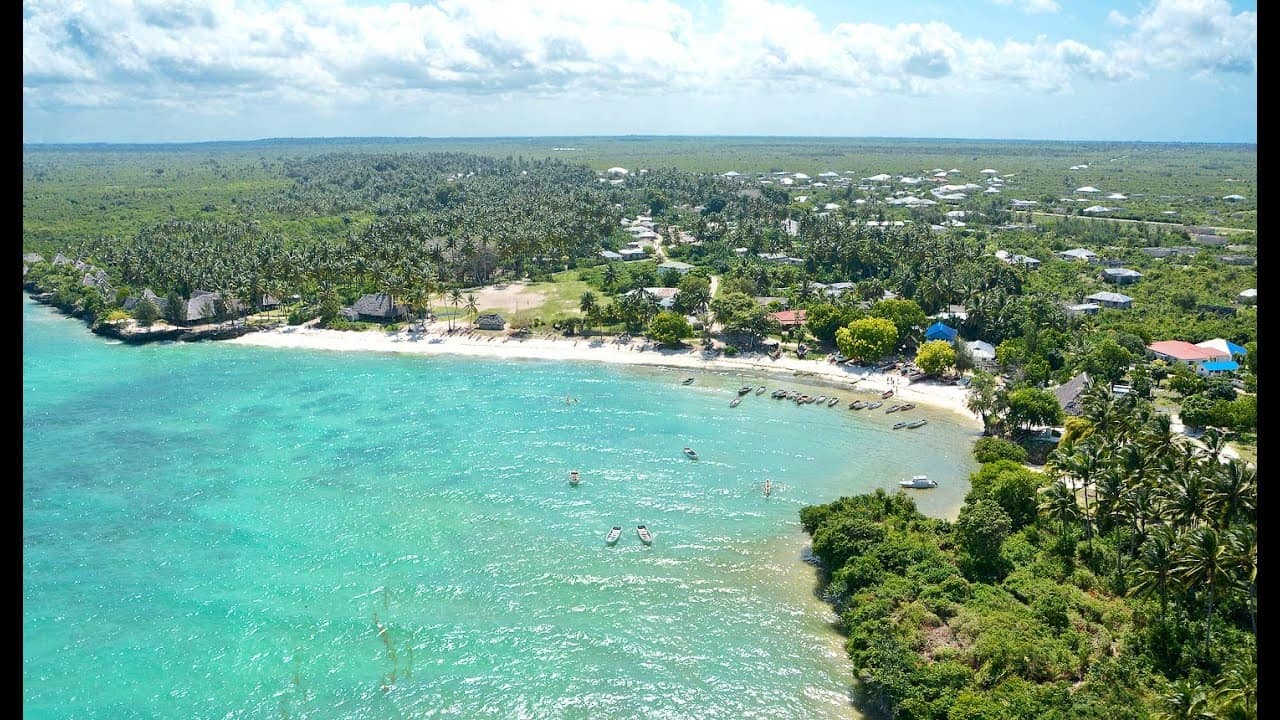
(224, 531)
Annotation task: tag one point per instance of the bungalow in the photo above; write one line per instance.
(1224, 345)
(790, 318)
(1217, 367)
(1248, 297)
(1121, 276)
(1115, 301)
(741, 252)
(628, 254)
(377, 307)
(665, 296)
(202, 305)
(983, 353)
(940, 331)
(1182, 352)
(97, 280)
(491, 321)
(610, 255)
(679, 267)
(132, 301)
(840, 288)
(1082, 309)
(1068, 394)
(1236, 260)
(1078, 254)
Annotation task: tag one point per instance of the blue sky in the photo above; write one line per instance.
(194, 70)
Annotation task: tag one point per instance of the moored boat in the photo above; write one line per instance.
(893, 408)
(916, 424)
(919, 481)
(645, 536)
(886, 394)
(687, 381)
(760, 390)
(857, 405)
(614, 534)
(692, 455)
(873, 405)
(573, 478)
(735, 402)
(906, 406)
(744, 389)
(900, 425)
(822, 398)
(832, 401)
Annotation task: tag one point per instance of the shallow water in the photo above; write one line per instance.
(225, 531)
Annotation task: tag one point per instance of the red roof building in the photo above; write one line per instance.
(1184, 352)
(790, 318)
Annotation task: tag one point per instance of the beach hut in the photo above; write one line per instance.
(377, 307)
(1068, 394)
(940, 331)
(490, 321)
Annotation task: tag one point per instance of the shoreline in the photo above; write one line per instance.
(435, 341)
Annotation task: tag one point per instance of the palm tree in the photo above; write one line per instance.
(1233, 494)
(587, 304)
(610, 276)
(1203, 562)
(1156, 564)
(1242, 543)
(1185, 700)
(455, 298)
(1059, 502)
(1185, 500)
(472, 309)
(1237, 686)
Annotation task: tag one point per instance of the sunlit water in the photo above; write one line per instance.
(224, 531)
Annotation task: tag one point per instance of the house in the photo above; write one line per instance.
(1159, 252)
(790, 318)
(610, 255)
(491, 321)
(940, 331)
(840, 288)
(1121, 276)
(1217, 367)
(1115, 301)
(61, 259)
(632, 254)
(32, 258)
(1236, 260)
(1223, 345)
(1078, 254)
(1248, 297)
(1184, 353)
(1210, 240)
(679, 267)
(377, 307)
(741, 252)
(791, 227)
(1082, 309)
(983, 353)
(202, 305)
(1068, 394)
(665, 296)
(132, 301)
(97, 280)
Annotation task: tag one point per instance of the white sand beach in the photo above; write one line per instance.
(436, 341)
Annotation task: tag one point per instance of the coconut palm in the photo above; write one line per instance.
(587, 304)
(1242, 543)
(472, 309)
(1237, 687)
(1059, 502)
(1154, 573)
(1184, 498)
(1203, 562)
(1233, 494)
(455, 299)
(1185, 700)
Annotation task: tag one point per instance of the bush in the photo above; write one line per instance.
(302, 314)
(730, 350)
(991, 449)
(116, 315)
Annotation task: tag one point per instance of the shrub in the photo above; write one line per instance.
(991, 449)
(302, 314)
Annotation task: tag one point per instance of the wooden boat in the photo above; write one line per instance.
(645, 536)
(776, 394)
(900, 425)
(745, 389)
(886, 394)
(573, 478)
(916, 424)
(614, 534)
(831, 402)
(822, 398)
(893, 408)
(760, 390)
(687, 381)
(736, 402)
(906, 407)
(873, 405)
(919, 481)
(857, 404)
(692, 455)
(768, 487)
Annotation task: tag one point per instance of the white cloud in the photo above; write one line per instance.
(1031, 7)
(221, 55)
(1117, 18)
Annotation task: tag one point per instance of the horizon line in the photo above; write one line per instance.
(321, 138)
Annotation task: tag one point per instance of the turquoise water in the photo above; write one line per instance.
(222, 531)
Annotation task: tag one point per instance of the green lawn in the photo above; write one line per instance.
(562, 296)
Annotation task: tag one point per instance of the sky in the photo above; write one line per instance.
(151, 71)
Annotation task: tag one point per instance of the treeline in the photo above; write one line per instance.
(1121, 584)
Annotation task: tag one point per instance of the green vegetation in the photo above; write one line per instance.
(867, 338)
(1138, 602)
(936, 356)
(668, 328)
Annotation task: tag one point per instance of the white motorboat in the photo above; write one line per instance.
(614, 534)
(645, 536)
(919, 481)
(574, 478)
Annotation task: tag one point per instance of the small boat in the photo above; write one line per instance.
(687, 381)
(832, 401)
(916, 424)
(776, 394)
(736, 402)
(873, 405)
(768, 487)
(886, 394)
(857, 404)
(760, 390)
(906, 406)
(919, 481)
(645, 536)
(745, 389)
(822, 398)
(614, 534)
(573, 478)
(692, 455)
(893, 408)
(900, 425)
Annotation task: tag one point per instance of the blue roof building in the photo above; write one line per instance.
(938, 331)
(1218, 367)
